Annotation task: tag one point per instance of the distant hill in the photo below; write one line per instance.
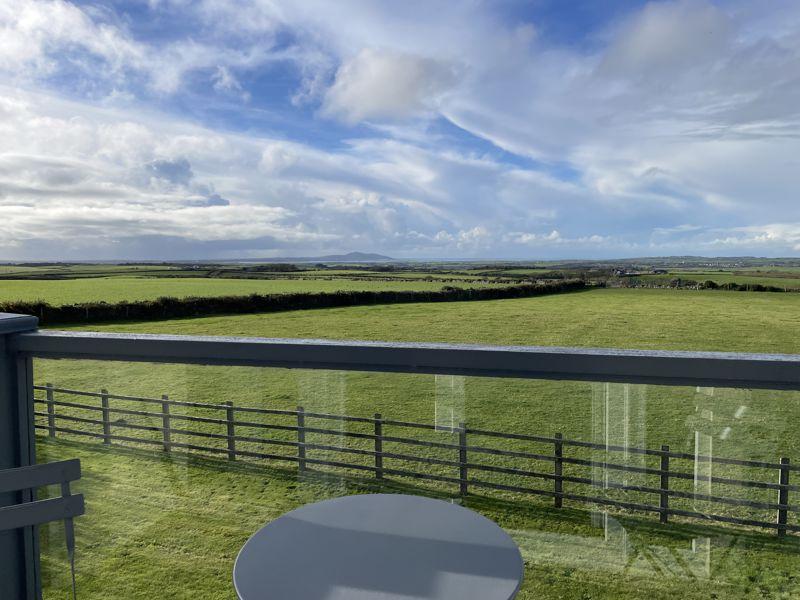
(350, 257)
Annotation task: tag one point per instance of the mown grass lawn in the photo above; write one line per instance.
(170, 526)
(160, 527)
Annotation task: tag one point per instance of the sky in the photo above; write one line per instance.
(546, 129)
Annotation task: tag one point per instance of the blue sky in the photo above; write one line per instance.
(166, 129)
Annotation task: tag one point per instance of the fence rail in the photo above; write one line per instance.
(233, 417)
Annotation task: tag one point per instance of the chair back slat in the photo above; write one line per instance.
(24, 478)
(31, 513)
(41, 511)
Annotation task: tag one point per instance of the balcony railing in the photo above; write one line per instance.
(21, 343)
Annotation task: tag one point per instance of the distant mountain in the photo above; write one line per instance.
(350, 257)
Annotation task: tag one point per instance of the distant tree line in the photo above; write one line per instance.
(170, 308)
(691, 284)
(740, 287)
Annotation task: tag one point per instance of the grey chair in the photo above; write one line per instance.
(31, 512)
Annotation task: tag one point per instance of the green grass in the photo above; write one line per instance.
(13, 269)
(170, 527)
(84, 270)
(541, 272)
(621, 318)
(389, 274)
(75, 271)
(160, 527)
(117, 289)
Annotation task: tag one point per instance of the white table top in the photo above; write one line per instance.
(379, 547)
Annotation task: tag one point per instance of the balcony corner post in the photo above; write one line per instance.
(18, 549)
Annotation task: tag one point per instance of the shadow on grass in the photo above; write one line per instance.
(531, 513)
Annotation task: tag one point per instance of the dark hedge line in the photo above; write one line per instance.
(742, 287)
(691, 284)
(170, 308)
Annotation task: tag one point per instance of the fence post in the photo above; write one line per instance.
(106, 416)
(664, 503)
(558, 466)
(378, 446)
(51, 411)
(166, 424)
(229, 418)
(301, 439)
(783, 495)
(462, 458)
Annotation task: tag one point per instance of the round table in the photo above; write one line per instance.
(379, 547)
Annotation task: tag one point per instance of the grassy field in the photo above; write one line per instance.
(786, 277)
(658, 319)
(390, 274)
(532, 272)
(170, 526)
(84, 270)
(72, 271)
(117, 289)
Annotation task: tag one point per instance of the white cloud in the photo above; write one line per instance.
(668, 39)
(80, 172)
(555, 238)
(785, 237)
(71, 172)
(225, 81)
(40, 38)
(33, 32)
(377, 84)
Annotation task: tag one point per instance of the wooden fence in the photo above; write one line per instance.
(462, 464)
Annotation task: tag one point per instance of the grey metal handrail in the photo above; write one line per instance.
(720, 369)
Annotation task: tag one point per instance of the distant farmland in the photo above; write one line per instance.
(118, 289)
(207, 507)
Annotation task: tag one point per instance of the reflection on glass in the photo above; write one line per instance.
(325, 393)
(166, 520)
(449, 402)
(619, 427)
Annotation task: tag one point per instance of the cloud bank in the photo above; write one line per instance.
(216, 129)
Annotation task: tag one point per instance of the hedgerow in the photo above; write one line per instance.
(170, 308)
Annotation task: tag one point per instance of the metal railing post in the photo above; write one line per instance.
(19, 555)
